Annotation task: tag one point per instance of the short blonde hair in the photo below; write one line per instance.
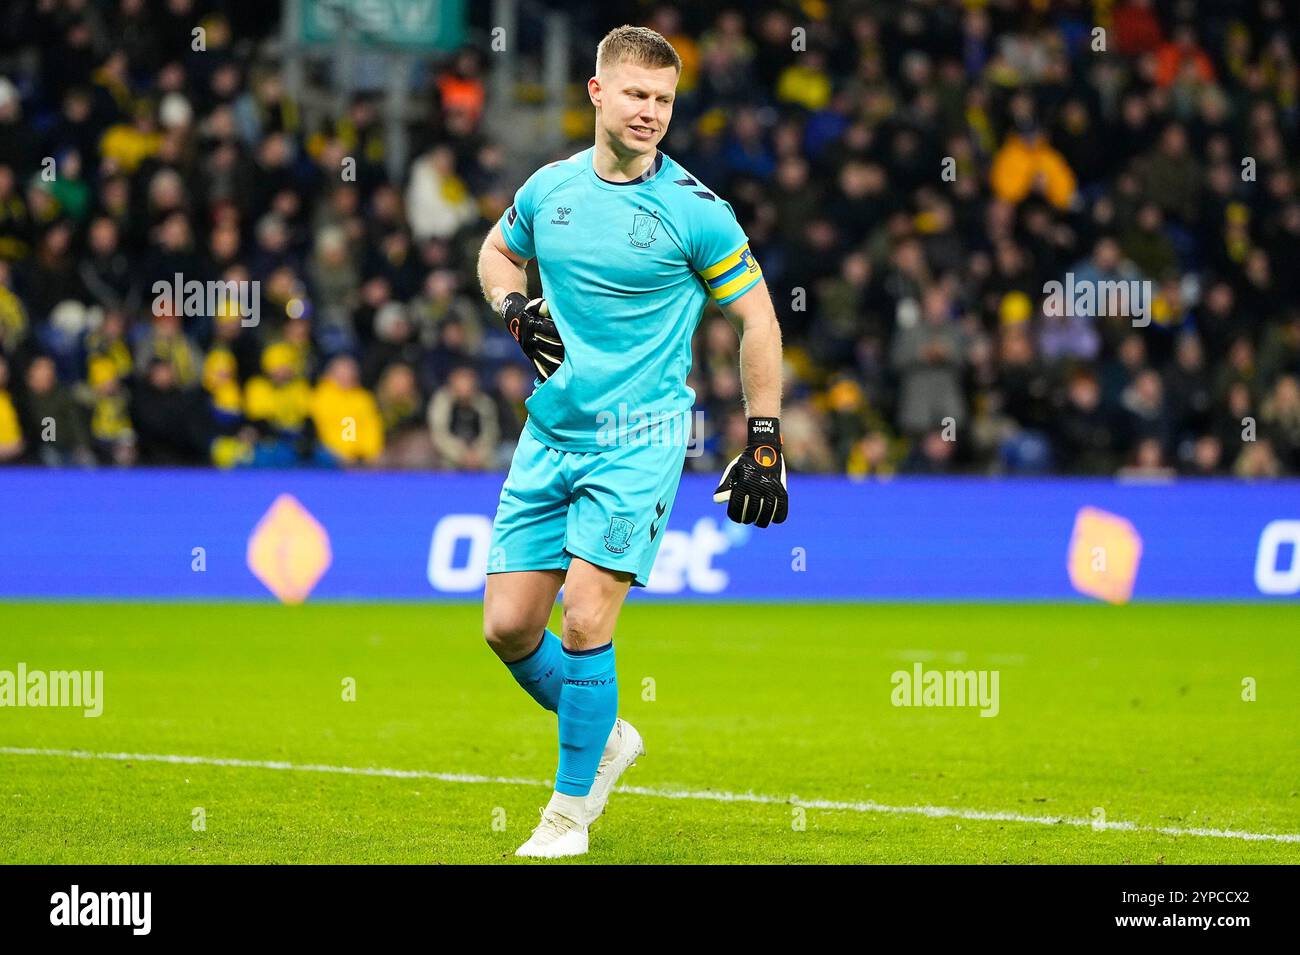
(638, 45)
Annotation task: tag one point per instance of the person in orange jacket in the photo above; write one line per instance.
(1174, 56)
(1027, 162)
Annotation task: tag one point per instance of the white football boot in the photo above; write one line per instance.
(559, 834)
(622, 750)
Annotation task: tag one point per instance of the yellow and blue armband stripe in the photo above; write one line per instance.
(732, 276)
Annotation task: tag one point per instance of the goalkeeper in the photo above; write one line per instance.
(630, 247)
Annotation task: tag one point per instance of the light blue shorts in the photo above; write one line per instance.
(609, 507)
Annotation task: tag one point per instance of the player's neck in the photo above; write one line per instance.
(611, 166)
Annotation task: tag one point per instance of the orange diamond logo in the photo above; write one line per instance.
(289, 550)
(1105, 550)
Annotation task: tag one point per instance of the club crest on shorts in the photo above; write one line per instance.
(643, 230)
(620, 532)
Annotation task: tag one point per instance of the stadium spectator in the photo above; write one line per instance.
(111, 432)
(1170, 176)
(345, 414)
(1137, 30)
(12, 445)
(1027, 163)
(13, 316)
(394, 343)
(928, 358)
(106, 272)
(278, 405)
(437, 201)
(51, 420)
(1181, 58)
(1280, 414)
(463, 423)
(401, 408)
(1084, 436)
(169, 421)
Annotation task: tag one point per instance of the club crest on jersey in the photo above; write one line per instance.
(643, 230)
(620, 532)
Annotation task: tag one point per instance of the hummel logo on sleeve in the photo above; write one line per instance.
(701, 193)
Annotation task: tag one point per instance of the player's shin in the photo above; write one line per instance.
(541, 672)
(588, 708)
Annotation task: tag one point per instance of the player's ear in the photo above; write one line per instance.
(593, 91)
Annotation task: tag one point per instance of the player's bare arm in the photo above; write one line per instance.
(753, 485)
(505, 285)
(500, 271)
(760, 350)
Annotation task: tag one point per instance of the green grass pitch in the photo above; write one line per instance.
(1135, 710)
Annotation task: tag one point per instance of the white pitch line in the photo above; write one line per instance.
(932, 812)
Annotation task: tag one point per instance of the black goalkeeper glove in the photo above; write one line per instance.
(753, 486)
(531, 324)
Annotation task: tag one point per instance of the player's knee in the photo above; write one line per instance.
(584, 626)
(510, 634)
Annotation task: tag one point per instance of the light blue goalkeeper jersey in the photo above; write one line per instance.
(626, 269)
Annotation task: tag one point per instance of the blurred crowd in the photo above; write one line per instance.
(912, 176)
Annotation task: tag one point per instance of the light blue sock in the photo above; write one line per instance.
(588, 708)
(541, 671)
